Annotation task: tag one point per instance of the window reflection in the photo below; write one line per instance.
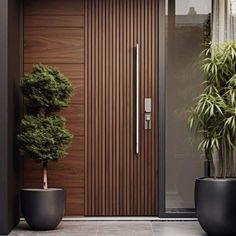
(199, 7)
(188, 29)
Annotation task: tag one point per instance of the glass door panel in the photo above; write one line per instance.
(187, 27)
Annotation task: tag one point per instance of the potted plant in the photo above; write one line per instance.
(213, 117)
(44, 138)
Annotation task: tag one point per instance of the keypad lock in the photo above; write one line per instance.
(147, 113)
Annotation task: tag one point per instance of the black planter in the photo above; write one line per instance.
(43, 209)
(215, 201)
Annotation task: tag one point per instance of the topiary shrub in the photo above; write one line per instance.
(43, 136)
(46, 88)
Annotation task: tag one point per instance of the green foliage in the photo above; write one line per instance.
(46, 87)
(207, 31)
(43, 135)
(213, 116)
(43, 138)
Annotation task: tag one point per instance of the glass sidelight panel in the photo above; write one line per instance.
(187, 26)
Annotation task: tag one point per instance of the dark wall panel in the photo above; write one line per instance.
(4, 227)
(9, 113)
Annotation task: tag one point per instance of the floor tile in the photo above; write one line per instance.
(116, 228)
(177, 229)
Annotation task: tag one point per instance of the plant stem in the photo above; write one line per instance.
(209, 156)
(45, 177)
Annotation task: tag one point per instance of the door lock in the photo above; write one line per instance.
(147, 113)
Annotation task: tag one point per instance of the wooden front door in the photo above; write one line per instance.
(119, 181)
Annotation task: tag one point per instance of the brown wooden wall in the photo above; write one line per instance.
(54, 35)
(92, 42)
(118, 183)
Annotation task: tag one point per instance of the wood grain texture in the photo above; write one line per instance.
(67, 172)
(73, 71)
(54, 35)
(54, 21)
(75, 203)
(54, 7)
(117, 181)
(53, 45)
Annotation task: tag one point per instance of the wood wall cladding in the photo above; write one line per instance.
(54, 35)
(53, 45)
(117, 182)
(54, 7)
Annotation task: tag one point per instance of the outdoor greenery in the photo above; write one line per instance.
(43, 136)
(46, 88)
(213, 116)
(207, 32)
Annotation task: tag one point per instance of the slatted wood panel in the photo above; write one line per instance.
(54, 35)
(117, 182)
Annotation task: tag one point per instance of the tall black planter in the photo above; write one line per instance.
(43, 209)
(215, 201)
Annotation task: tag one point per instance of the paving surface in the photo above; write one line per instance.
(116, 228)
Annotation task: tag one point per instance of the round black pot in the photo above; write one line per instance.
(43, 209)
(215, 201)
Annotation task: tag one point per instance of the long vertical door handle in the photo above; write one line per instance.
(137, 99)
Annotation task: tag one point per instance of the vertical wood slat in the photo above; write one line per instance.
(86, 112)
(128, 109)
(118, 100)
(134, 85)
(118, 182)
(139, 173)
(131, 109)
(93, 165)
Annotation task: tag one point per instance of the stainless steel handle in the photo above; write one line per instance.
(137, 99)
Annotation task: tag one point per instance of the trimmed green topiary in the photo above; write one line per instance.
(43, 135)
(43, 138)
(46, 87)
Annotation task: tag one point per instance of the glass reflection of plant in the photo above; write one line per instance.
(207, 32)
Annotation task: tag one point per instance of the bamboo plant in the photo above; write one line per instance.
(43, 136)
(213, 116)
